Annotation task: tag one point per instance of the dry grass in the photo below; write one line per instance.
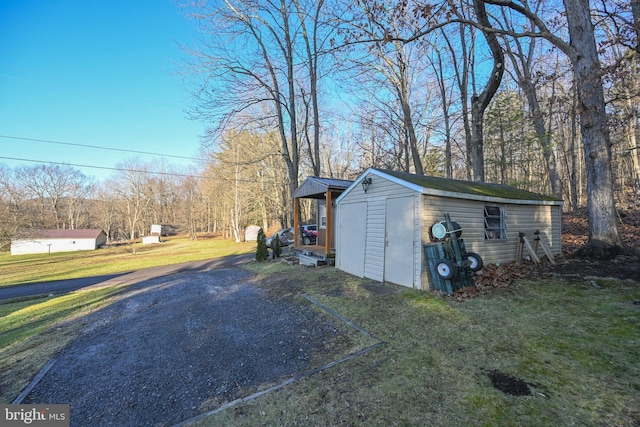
(18, 269)
(33, 330)
(575, 345)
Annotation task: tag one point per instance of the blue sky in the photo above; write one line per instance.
(92, 72)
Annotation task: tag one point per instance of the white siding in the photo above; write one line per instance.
(381, 189)
(556, 227)
(400, 241)
(351, 235)
(429, 209)
(470, 215)
(374, 245)
(41, 246)
(420, 260)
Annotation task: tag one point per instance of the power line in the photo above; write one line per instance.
(220, 178)
(97, 147)
(107, 168)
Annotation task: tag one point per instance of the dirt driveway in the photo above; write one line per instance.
(170, 348)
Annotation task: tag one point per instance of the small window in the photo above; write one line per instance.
(494, 224)
(322, 213)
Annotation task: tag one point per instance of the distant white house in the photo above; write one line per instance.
(49, 241)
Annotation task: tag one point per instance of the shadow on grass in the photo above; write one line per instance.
(196, 341)
(24, 290)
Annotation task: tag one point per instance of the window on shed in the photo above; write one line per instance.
(494, 223)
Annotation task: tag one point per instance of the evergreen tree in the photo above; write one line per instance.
(262, 253)
(277, 248)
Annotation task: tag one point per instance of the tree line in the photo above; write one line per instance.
(241, 184)
(537, 93)
(542, 95)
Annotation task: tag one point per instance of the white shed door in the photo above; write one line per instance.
(352, 218)
(398, 254)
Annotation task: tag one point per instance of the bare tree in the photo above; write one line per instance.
(522, 62)
(480, 102)
(604, 238)
(397, 64)
(191, 205)
(77, 201)
(49, 184)
(445, 91)
(14, 209)
(105, 209)
(309, 16)
(625, 101)
(131, 187)
(461, 59)
(31, 179)
(618, 27)
(253, 65)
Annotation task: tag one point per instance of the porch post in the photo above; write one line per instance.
(329, 228)
(296, 225)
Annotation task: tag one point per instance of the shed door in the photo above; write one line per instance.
(352, 219)
(399, 230)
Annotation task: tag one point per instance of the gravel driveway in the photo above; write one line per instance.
(170, 348)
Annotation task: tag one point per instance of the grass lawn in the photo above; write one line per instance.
(32, 330)
(574, 346)
(18, 269)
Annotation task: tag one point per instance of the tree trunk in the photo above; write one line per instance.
(631, 114)
(293, 125)
(311, 46)
(604, 239)
(445, 103)
(544, 139)
(635, 158)
(408, 125)
(479, 103)
(503, 152)
(575, 170)
(635, 10)
(525, 81)
(461, 72)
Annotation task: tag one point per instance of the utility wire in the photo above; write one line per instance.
(107, 168)
(220, 178)
(97, 147)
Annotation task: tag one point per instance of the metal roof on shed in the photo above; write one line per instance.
(316, 186)
(469, 187)
(445, 187)
(87, 233)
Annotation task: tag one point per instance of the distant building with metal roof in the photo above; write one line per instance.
(49, 241)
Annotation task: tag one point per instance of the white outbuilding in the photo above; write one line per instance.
(49, 241)
(384, 220)
(251, 233)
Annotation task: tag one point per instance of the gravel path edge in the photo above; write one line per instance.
(300, 376)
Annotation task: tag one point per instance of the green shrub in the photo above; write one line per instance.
(262, 253)
(277, 249)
